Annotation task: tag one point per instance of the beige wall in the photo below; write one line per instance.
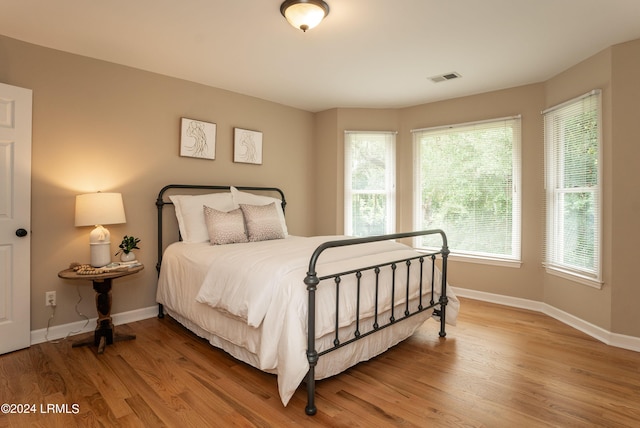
(614, 307)
(527, 101)
(101, 126)
(330, 128)
(613, 70)
(327, 184)
(625, 177)
(583, 301)
(523, 282)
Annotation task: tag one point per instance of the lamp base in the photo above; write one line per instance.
(100, 254)
(100, 246)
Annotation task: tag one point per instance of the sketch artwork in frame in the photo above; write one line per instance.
(197, 139)
(247, 146)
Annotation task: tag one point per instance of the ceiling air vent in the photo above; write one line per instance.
(445, 77)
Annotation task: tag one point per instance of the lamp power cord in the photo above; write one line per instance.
(53, 314)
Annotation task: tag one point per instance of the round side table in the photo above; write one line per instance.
(104, 334)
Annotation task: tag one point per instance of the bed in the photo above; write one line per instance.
(302, 308)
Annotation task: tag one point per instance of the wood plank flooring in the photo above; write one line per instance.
(499, 367)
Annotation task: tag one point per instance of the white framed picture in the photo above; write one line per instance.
(197, 139)
(247, 146)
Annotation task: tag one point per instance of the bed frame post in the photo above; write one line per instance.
(159, 205)
(312, 281)
(443, 292)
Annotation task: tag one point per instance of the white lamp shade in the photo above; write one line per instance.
(304, 15)
(94, 209)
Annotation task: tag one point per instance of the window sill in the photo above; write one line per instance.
(571, 276)
(480, 260)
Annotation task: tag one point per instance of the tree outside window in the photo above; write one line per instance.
(468, 184)
(369, 183)
(572, 181)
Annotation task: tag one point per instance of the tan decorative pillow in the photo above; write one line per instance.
(251, 199)
(262, 221)
(225, 227)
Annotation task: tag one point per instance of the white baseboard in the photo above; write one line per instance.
(613, 339)
(61, 331)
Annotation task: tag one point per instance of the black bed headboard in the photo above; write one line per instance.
(161, 202)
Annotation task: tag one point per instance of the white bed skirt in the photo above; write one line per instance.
(328, 365)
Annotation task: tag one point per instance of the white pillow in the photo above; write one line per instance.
(190, 213)
(262, 222)
(225, 227)
(251, 199)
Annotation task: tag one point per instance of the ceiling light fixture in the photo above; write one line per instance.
(304, 14)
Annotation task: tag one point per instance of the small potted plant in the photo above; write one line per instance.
(128, 244)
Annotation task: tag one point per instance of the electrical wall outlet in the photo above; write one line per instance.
(50, 298)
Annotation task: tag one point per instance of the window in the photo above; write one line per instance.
(572, 182)
(370, 186)
(467, 183)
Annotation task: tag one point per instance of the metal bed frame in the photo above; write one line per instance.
(312, 282)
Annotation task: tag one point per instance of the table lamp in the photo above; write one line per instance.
(97, 209)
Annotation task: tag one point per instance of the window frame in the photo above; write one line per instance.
(390, 180)
(515, 258)
(553, 242)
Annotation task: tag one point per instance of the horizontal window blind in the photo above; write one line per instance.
(468, 184)
(369, 183)
(572, 184)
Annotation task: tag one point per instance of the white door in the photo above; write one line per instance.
(15, 218)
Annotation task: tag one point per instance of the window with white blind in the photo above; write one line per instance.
(370, 186)
(467, 183)
(572, 180)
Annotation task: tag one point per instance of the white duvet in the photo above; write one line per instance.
(261, 284)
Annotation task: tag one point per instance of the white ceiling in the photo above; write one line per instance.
(366, 53)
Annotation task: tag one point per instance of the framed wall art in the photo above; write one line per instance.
(197, 139)
(247, 146)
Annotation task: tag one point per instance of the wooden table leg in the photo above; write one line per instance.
(104, 333)
(104, 329)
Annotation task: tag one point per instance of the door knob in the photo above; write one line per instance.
(21, 233)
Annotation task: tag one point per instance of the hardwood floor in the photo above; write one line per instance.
(499, 367)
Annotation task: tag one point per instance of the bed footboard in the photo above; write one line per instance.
(312, 281)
